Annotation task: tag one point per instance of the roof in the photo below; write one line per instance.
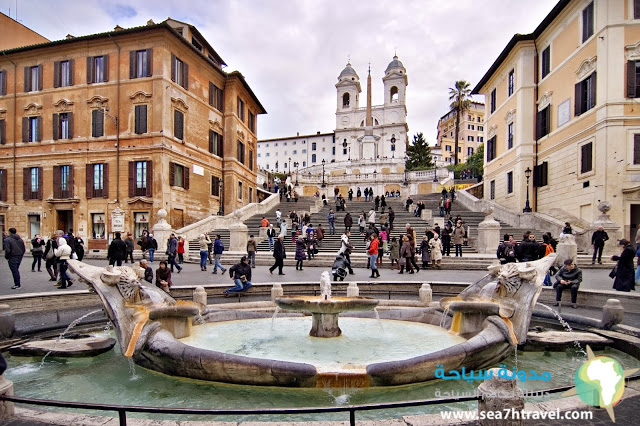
(395, 63)
(559, 7)
(347, 71)
(200, 37)
(240, 77)
(296, 137)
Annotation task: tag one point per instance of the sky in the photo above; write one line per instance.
(292, 51)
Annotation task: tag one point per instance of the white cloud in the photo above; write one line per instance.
(291, 51)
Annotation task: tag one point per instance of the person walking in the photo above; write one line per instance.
(63, 253)
(371, 218)
(300, 252)
(14, 251)
(373, 255)
(240, 273)
(50, 259)
(441, 205)
(359, 194)
(392, 217)
(624, 272)
(597, 242)
(424, 250)
(319, 234)
(405, 256)
(79, 246)
(278, 217)
(37, 245)
(350, 194)
(203, 242)
(152, 246)
(172, 252)
(376, 202)
(361, 222)
(180, 251)
(252, 247)
(311, 245)
(218, 249)
(348, 222)
(117, 251)
(569, 277)
(129, 243)
(435, 244)
(279, 253)
(271, 235)
(383, 203)
(331, 217)
(345, 249)
(394, 253)
(446, 239)
(458, 238)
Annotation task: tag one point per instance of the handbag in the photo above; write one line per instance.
(49, 255)
(613, 272)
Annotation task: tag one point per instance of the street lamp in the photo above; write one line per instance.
(405, 171)
(393, 146)
(221, 195)
(296, 164)
(289, 166)
(324, 185)
(527, 174)
(435, 172)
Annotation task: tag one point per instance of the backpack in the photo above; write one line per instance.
(508, 251)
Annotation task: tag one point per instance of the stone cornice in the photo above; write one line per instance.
(33, 109)
(586, 67)
(632, 52)
(63, 105)
(179, 104)
(140, 97)
(545, 100)
(510, 116)
(215, 125)
(97, 102)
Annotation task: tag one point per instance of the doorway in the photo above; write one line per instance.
(34, 225)
(634, 222)
(65, 220)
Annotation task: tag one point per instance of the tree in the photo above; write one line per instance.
(474, 163)
(419, 154)
(459, 97)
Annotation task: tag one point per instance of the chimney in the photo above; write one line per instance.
(69, 36)
(318, 132)
(150, 22)
(297, 133)
(118, 28)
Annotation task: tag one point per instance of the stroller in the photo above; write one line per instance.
(339, 268)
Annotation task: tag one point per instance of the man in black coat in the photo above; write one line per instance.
(597, 242)
(279, 253)
(240, 273)
(13, 251)
(569, 277)
(117, 251)
(529, 250)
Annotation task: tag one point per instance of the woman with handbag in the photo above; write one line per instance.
(36, 249)
(79, 247)
(51, 263)
(624, 272)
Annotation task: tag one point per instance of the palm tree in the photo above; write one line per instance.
(459, 97)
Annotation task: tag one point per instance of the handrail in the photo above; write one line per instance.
(123, 409)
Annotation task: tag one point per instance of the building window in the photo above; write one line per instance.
(511, 82)
(492, 190)
(480, 128)
(178, 124)
(33, 78)
(3, 132)
(63, 126)
(313, 146)
(295, 151)
(585, 94)
(141, 119)
(239, 190)
(510, 183)
(97, 123)
(215, 186)
(304, 151)
(3, 185)
(636, 9)
(545, 66)
(179, 175)
(471, 127)
(469, 151)
(216, 97)
(345, 100)
(179, 72)
(480, 138)
(215, 144)
(32, 183)
(140, 63)
(586, 157)
(251, 159)
(98, 226)
(633, 78)
(491, 149)
(97, 69)
(587, 22)
(304, 164)
(141, 223)
(543, 122)
(540, 173)
(140, 178)
(470, 138)
(241, 152)
(636, 149)
(63, 73)
(3, 82)
(240, 109)
(509, 135)
(97, 180)
(62, 181)
(313, 158)
(31, 129)
(252, 122)
(447, 148)
(493, 101)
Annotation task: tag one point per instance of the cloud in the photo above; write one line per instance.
(292, 51)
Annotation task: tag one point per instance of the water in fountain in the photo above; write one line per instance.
(66, 330)
(275, 314)
(132, 370)
(444, 317)
(378, 318)
(566, 326)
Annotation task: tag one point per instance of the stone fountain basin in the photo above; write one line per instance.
(319, 305)
(473, 307)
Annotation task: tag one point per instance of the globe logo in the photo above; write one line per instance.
(600, 382)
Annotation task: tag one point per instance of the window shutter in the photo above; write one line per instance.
(220, 93)
(636, 9)
(132, 178)
(211, 94)
(39, 183)
(178, 124)
(173, 67)
(3, 182)
(70, 190)
(56, 127)
(57, 184)
(538, 124)
(25, 129)
(592, 91)
(3, 83)
(39, 77)
(105, 76)
(149, 70)
(185, 75)
(636, 149)
(39, 129)
(26, 180)
(220, 146)
(27, 79)
(89, 69)
(251, 160)
(186, 177)
(132, 64)
(99, 122)
(94, 119)
(56, 74)
(537, 170)
(545, 172)
(211, 135)
(3, 132)
(631, 79)
(586, 164)
(141, 119)
(70, 124)
(89, 179)
(172, 174)
(578, 105)
(547, 123)
(149, 178)
(105, 180)
(71, 71)
(137, 120)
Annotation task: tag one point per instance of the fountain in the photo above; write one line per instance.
(325, 309)
(153, 329)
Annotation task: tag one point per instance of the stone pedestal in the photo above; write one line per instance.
(566, 249)
(426, 215)
(499, 394)
(7, 322)
(276, 291)
(610, 227)
(612, 314)
(426, 295)
(161, 231)
(262, 234)
(488, 234)
(239, 234)
(6, 388)
(353, 290)
(200, 297)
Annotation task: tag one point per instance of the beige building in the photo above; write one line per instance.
(97, 133)
(14, 34)
(561, 102)
(471, 135)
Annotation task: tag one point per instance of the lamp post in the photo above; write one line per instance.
(221, 195)
(393, 146)
(289, 166)
(324, 185)
(435, 172)
(527, 174)
(405, 172)
(296, 164)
